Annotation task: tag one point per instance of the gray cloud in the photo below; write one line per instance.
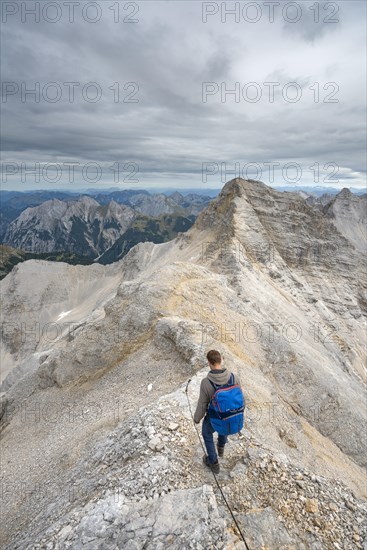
(312, 20)
(170, 132)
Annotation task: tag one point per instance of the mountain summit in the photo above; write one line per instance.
(97, 359)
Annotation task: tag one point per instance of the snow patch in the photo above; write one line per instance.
(63, 314)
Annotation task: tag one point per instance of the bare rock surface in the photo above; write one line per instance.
(349, 214)
(98, 445)
(122, 492)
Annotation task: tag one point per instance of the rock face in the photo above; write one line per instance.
(98, 410)
(65, 299)
(321, 201)
(155, 205)
(82, 226)
(107, 231)
(348, 212)
(12, 203)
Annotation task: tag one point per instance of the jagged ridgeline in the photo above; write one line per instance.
(81, 229)
(98, 445)
(84, 228)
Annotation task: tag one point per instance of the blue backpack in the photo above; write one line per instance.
(226, 408)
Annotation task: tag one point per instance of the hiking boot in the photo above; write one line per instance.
(220, 451)
(214, 467)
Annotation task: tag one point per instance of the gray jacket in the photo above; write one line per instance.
(220, 377)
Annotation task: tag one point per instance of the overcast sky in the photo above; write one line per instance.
(174, 125)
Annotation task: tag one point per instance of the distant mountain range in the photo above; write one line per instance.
(83, 228)
(318, 190)
(13, 203)
(104, 226)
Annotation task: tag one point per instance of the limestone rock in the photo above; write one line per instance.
(311, 506)
(279, 288)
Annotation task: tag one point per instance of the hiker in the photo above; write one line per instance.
(216, 379)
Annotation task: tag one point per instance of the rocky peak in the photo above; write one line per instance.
(240, 186)
(114, 208)
(177, 197)
(46, 209)
(86, 200)
(348, 213)
(345, 193)
(236, 193)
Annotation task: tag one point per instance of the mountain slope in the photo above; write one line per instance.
(155, 230)
(103, 232)
(82, 226)
(9, 257)
(348, 212)
(12, 203)
(262, 276)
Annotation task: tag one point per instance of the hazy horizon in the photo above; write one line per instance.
(183, 189)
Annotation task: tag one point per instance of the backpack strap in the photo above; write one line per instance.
(229, 383)
(215, 386)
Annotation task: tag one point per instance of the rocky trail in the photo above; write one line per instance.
(144, 486)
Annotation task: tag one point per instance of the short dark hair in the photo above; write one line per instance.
(214, 357)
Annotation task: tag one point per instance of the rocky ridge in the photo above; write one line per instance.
(143, 487)
(296, 478)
